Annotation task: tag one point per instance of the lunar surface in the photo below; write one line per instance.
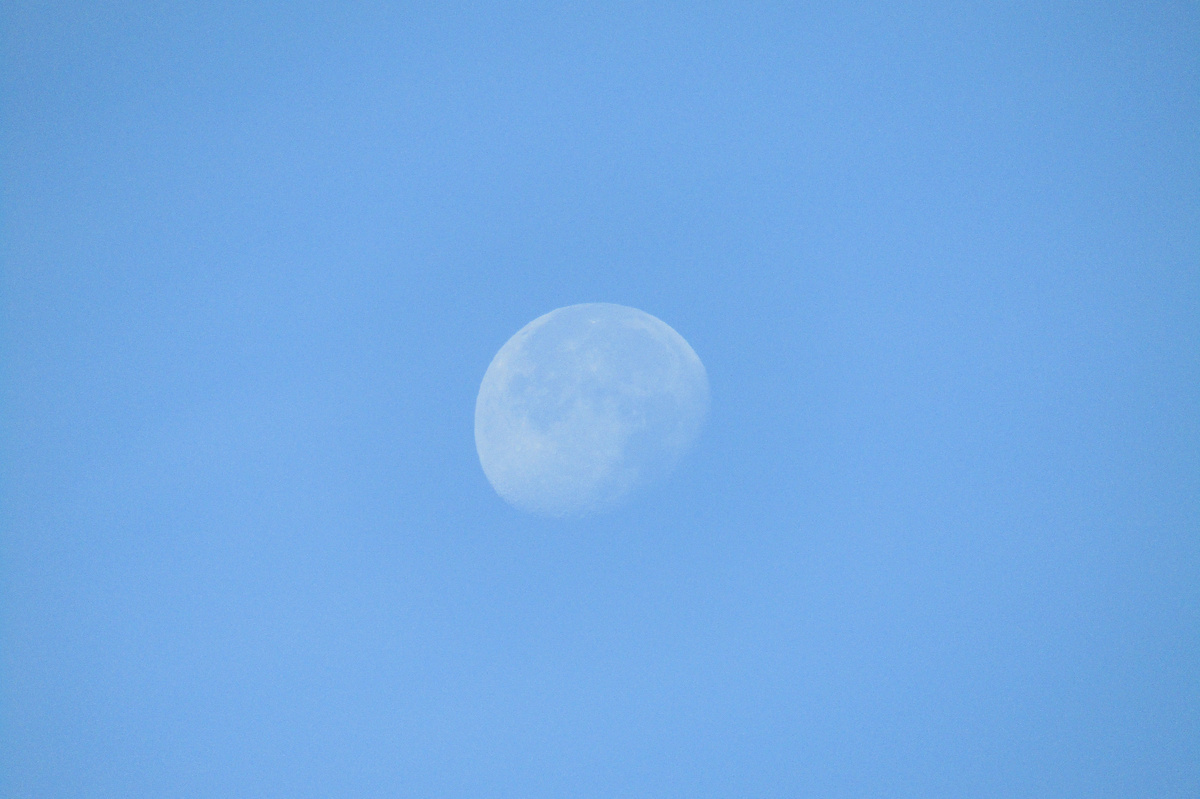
(585, 406)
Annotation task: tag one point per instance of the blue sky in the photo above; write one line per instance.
(941, 536)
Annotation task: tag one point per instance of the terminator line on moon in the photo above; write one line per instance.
(584, 406)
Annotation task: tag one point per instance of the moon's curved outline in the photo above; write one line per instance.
(584, 405)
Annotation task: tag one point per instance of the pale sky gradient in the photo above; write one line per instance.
(941, 535)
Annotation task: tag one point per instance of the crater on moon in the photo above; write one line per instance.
(584, 406)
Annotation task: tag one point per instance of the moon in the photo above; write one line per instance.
(586, 405)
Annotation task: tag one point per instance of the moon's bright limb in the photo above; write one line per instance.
(586, 404)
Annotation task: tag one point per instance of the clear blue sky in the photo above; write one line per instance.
(941, 536)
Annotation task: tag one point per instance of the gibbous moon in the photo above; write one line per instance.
(584, 406)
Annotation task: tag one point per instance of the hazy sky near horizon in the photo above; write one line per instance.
(941, 533)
